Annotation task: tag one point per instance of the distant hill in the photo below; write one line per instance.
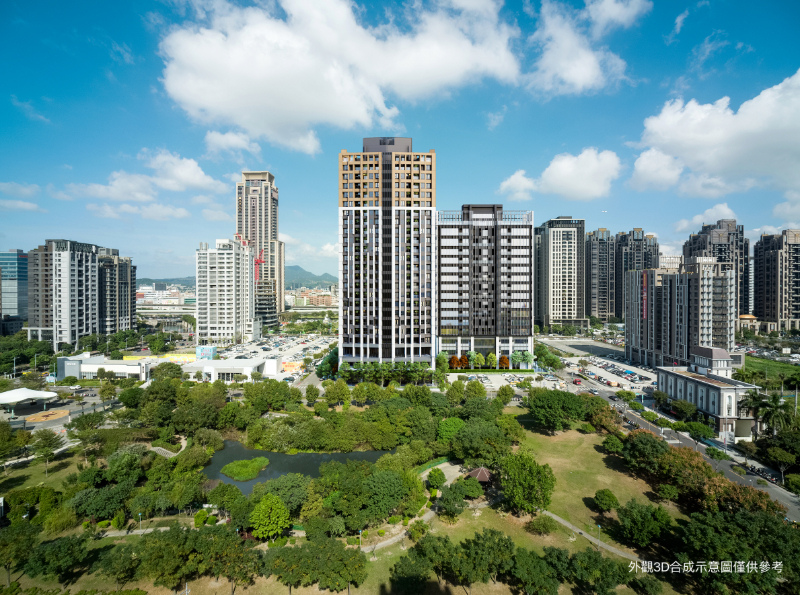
(296, 276)
(188, 281)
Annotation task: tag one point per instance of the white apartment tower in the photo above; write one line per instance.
(559, 294)
(257, 223)
(226, 293)
(387, 270)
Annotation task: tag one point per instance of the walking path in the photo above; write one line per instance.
(168, 453)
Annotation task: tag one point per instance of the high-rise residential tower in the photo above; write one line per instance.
(257, 223)
(226, 307)
(14, 282)
(635, 251)
(725, 241)
(600, 283)
(776, 260)
(485, 289)
(117, 282)
(560, 274)
(387, 198)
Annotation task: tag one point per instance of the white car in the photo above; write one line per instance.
(75, 387)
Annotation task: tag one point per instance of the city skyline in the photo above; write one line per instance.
(573, 108)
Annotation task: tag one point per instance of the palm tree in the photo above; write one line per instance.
(753, 403)
(776, 413)
(782, 376)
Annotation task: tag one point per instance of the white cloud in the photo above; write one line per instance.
(731, 151)
(568, 63)
(57, 194)
(26, 107)
(755, 234)
(230, 142)
(574, 177)
(202, 199)
(517, 186)
(121, 186)
(654, 169)
(302, 72)
(19, 190)
(494, 119)
(121, 53)
(298, 251)
(711, 215)
(703, 52)
(672, 248)
(152, 211)
(177, 173)
(19, 205)
(216, 215)
(608, 14)
(677, 28)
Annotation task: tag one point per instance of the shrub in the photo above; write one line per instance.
(541, 525)
(792, 483)
(428, 504)
(605, 500)
(436, 478)
(637, 406)
(279, 542)
(739, 470)
(680, 426)
(245, 470)
(118, 522)
(405, 522)
(667, 492)
(166, 445)
(200, 518)
(211, 520)
(365, 534)
(103, 524)
(292, 540)
(352, 541)
(394, 519)
(649, 416)
(588, 428)
(434, 492)
(60, 520)
(762, 482)
(381, 532)
(613, 445)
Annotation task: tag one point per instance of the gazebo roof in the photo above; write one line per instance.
(24, 394)
(482, 474)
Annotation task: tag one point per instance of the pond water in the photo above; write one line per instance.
(279, 463)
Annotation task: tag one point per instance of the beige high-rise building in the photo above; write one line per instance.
(387, 270)
(776, 293)
(257, 224)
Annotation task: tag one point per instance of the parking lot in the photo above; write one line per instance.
(288, 348)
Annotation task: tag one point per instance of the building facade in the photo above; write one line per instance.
(776, 293)
(725, 241)
(670, 311)
(387, 199)
(257, 222)
(117, 282)
(226, 307)
(635, 251)
(485, 284)
(600, 283)
(14, 283)
(560, 273)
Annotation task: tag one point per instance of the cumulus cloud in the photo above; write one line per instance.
(711, 215)
(727, 151)
(152, 211)
(301, 71)
(654, 169)
(121, 186)
(574, 177)
(609, 14)
(230, 142)
(569, 63)
(19, 205)
(299, 251)
(19, 190)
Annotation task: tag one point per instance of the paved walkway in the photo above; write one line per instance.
(168, 454)
(594, 540)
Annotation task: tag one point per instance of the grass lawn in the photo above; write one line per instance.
(771, 367)
(245, 470)
(26, 475)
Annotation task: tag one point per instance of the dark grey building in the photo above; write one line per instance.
(485, 282)
(14, 284)
(117, 285)
(725, 241)
(635, 251)
(776, 293)
(600, 284)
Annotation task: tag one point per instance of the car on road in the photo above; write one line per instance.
(78, 387)
(594, 391)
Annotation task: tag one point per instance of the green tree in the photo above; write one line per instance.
(225, 554)
(505, 394)
(270, 517)
(45, 443)
(491, 361)
(312, 394)
(291, 488)
(107, 393)
(668, 492)
(119, 565)
(479, 361)
(436, 478)
(291, 566)
(717, 456)
(684, 409)
(17, 542)
(612, 444)
(527, 485)
(451, 502)
(781, 458)
(60, 558)
(699, 431)
(338, 567)
(554, 410)
(475, 390)
(169, 558)
(448, 428)
(643, 451)
(480, 443)
(166, 371)
(533, 574)
(592, 573)
(605, 500)
(640, 524)
(338, 393)
(455, 393)
(32, 380)
(775, 413)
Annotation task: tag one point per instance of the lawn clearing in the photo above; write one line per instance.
(26, 475)
(771, 367)
(245, 470)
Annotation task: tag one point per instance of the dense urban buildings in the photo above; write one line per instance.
(668, 311)
(387, 199)
(776, 260)
(485, 284)
(117, 281)
(226, 307)
(635, 251)
(257, 223)
(600, 283)
(560, 276)
(725, 241)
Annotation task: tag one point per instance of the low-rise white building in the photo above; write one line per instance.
(84, 366)
(226, 369)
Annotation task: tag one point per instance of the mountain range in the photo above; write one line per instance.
(295, 277)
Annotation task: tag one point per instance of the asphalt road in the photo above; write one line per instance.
(777, 493)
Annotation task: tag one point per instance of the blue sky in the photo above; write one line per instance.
(126, 123)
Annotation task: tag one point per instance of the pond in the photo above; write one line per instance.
(279, 463)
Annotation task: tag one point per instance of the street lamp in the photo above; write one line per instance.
(140, 521)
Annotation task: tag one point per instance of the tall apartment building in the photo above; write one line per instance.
(725, 241)
(387, 270)
(560, 273)
(600, 283)
(257, 223)
(776, 260)
(668, 311)
(117, 282)
(226, 304)
(63, 292)
(635, 251)
(14, 283)
(485, 289)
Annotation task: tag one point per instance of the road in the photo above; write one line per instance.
(777, 493)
